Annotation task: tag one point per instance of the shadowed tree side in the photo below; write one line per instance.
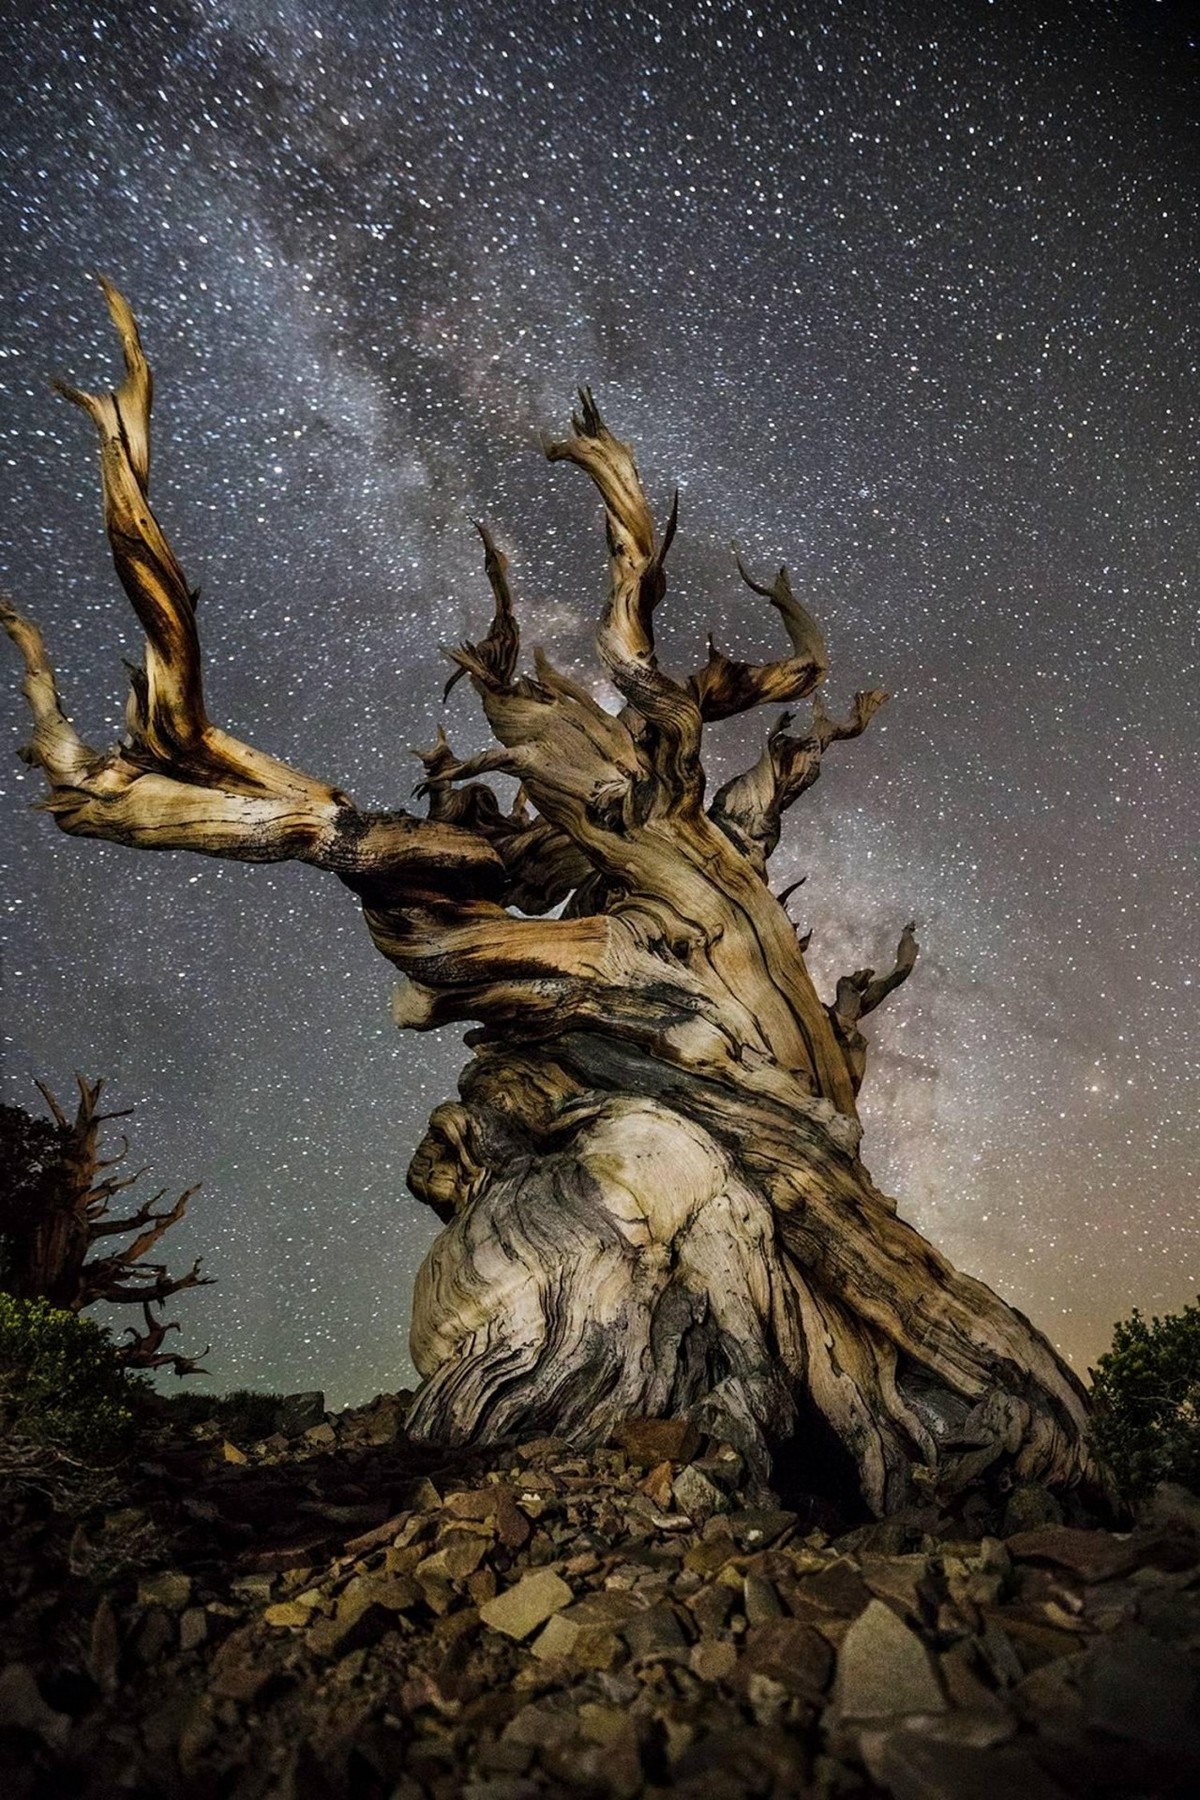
(650, 1182)
(55, 1194)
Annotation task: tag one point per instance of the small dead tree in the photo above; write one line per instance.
(54, 1211)
(651, 1185)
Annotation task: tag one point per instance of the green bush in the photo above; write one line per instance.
(1146, 1392)
(62, 1382)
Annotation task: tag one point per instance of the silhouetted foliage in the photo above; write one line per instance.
(1146, 1392)
(63, 1381)
(243, 1416)
(30, 1152)
(55, 1190)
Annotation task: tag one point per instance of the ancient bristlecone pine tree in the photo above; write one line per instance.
(55, 1211)
(650, 1183)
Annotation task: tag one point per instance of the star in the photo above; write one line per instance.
(901, 296)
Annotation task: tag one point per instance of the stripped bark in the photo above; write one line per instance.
(651, 1183)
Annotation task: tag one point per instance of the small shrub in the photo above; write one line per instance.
(244, 1416)
(62, 1382)
(1146, 1392)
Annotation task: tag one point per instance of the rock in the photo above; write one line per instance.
(963, 1669)
(556, 1639)
(474, 1503)
(497, 1502)
(760, 1601)
(237, 1671)
(789, 1652)
(232, 1454)
(287, 1612)
(712, 1659)
(482, 1585)
(898, 1580)
(657, 1485)
(519, 1610)
(458, 1556)
(395, 1593)
(154, 1636)
(598, 1648)
(22, 1707)
(320, 1434)
(698, 1496)
(654, 1441)
(1172, 1506)
(603, 1724)
(712, 1606)
(883, 1669)
(424, 1497)
(1028, 1508)
(1092, 1555)
(512, 1523)
(648, 1649)
(168, 1588)
(1032, 1636)
(104, 1646)
(891, 1537)
(608, 1606)
(758, 1527)
(995, 1646)
(256, 1589)
(378, 1535)
(707, 1558)
(499, 1787)
(382, 1421)
(837, 1589)
(541, 1728)
(912, 1764)
(354, 1629)
(978, 1580)
(298, 1413)
(1136, 1688)
(655, 1633)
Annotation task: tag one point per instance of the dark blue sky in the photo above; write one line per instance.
(903, 295)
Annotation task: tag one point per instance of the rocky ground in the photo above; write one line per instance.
(334, 1612)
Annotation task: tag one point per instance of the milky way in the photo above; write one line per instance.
(904, 296)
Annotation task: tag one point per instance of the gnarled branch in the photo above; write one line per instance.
(750, 808)
(723, 687)
(178, 781)
(625, 639)
(145, 1351)
(860, 993)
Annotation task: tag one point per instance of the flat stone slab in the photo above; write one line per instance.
(519, 1610)
(654, 1441)
(884, 1669)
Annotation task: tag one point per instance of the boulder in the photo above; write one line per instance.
(298, 1413)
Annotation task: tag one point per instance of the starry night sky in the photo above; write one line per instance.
(903, 295)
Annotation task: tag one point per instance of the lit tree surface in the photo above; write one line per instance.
(651, 1187)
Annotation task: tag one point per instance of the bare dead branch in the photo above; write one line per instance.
(860, 993)
(724, 687)
(144, 1351)
(494, 659)
(180, 782)
(625, 639)
(749, 809)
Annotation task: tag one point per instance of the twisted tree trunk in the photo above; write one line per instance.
(653, 1196)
